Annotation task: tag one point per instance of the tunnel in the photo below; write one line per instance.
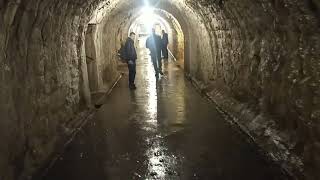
(256, 63)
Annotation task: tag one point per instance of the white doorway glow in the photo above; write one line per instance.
(148, 17)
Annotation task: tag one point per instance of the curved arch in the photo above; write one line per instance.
(176, 34)
(189, 20)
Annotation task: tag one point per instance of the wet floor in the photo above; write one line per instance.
(163, 130)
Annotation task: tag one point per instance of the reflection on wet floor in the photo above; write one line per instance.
(163, 130)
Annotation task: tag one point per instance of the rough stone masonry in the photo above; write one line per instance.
(257, 59)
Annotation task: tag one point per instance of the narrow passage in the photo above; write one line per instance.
(163, 130)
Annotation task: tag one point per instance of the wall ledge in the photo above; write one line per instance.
(275, 145)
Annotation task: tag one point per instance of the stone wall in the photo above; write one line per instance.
(101, 54)
(43, 79)
(264, 54)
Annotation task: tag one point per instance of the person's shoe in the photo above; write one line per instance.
(132, 87)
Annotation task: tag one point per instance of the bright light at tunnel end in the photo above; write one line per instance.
(147, 15)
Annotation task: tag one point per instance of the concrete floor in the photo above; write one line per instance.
(163, 130)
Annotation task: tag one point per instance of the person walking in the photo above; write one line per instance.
(164, 43)
(131, 56)
(154, 45)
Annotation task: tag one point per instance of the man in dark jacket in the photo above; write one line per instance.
(154, 45)
(165, 42)
(131, 56)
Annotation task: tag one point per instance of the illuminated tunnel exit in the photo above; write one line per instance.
(153, 18)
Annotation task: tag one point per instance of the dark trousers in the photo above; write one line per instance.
(165, 52)
(157, 64)
(132, 73)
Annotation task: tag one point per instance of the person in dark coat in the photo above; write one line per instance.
(131, 56)
(154, 45)
(165, 42)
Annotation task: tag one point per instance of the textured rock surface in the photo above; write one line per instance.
(262, 53)
(266, 56)
(43, 81)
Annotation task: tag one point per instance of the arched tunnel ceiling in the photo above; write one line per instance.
(150, 21)
(164, 16)
(177, 8)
